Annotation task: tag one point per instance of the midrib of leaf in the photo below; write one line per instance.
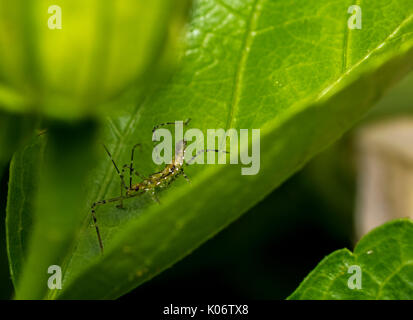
(245, 48)
(347, 43)
(359, 63)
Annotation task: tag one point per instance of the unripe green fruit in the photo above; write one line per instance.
(103, 48)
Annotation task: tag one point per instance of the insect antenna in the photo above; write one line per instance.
(169, 123)
(203, 151)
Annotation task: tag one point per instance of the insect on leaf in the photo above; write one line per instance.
(297, 73)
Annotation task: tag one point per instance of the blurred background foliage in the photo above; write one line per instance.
(312, 212)
(72, 71)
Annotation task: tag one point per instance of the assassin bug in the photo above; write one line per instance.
(151, 184)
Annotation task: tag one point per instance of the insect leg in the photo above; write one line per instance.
(116, 168)
(94, 205)
(102, 202)
(120, 206)
(97, 228)
(131, 169)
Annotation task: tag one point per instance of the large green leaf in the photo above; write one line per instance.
(294, 71)
(385, 259)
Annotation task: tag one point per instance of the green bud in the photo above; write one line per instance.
(64, 58)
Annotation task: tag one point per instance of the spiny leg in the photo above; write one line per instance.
(102, 202)
(120, 206)
(131, 169)
(94, 205)
(97, 228)
(116, 168)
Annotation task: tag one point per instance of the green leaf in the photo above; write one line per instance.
(385, 259)
(24, 176)
(46, 189)
(295, 72)
(14, 132)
